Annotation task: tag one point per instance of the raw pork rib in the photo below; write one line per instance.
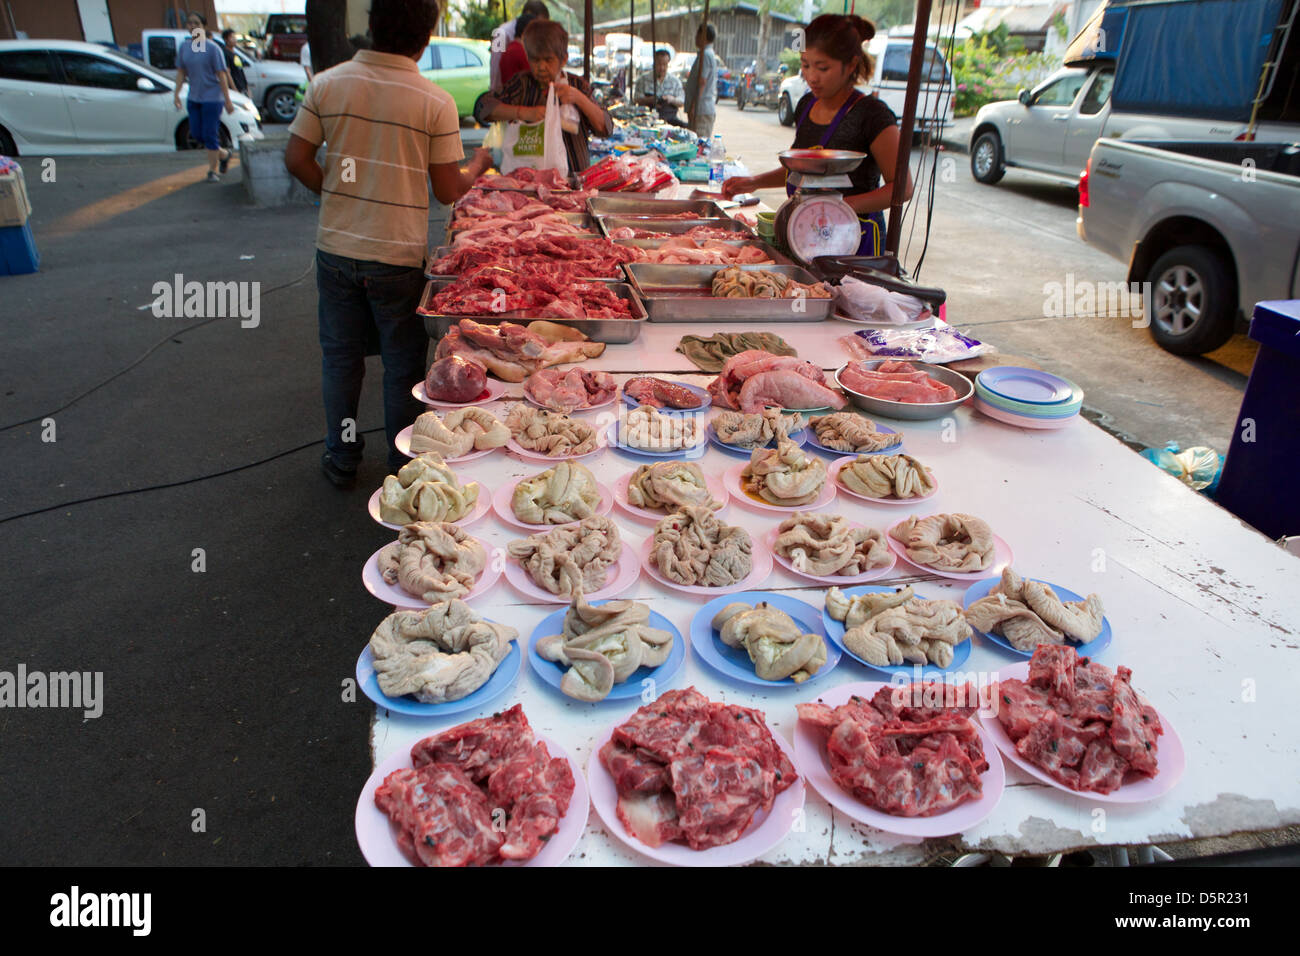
(443, 806)
(753, 379)
(896, 382)
(909, 761)
(688, 768)
(1083, 725)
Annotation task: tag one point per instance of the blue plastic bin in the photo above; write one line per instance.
(1258, 483)
(18, 255)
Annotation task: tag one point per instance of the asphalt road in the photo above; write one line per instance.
(1003, 253)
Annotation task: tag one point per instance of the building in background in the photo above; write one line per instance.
(737, 26)
(119, 22)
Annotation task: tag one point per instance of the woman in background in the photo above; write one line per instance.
(201, 63)
(523, 100)
(834, 114)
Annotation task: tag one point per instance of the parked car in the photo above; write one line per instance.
(1164, 94)
(760, 85)
(64, 97)
(934, 103)
(271, 83)
(1211, 227)
(680, 67)
(283, 36)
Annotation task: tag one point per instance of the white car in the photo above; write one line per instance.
(64, 97)
(272, 84)
(893, 54)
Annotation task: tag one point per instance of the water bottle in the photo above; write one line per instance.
(717, 159)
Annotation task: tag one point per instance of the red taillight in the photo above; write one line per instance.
(1083, 185)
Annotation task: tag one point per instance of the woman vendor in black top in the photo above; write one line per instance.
(835, 115)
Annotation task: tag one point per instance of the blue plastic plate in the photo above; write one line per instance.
(981, 589)
(734, 662)
(686, 454)
(1026, 385)
(810, 437)
(835, 631)
(552, 673)
(701, 393)
(502, 679)
(799, 438)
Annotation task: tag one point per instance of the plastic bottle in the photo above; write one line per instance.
(717, 160)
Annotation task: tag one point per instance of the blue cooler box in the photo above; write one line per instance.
(1258, 483)
(18, 255)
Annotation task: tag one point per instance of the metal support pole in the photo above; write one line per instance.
(588, 35)
(894, 232)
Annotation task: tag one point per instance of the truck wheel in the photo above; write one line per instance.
(7, 146)
(785, 110)
(281, 103)
(986, 158)
(1192, 303)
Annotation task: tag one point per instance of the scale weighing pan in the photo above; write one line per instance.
(820, 162)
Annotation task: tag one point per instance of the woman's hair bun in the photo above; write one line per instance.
(866, 29)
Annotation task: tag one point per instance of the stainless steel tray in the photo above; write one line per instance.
(646, 206)
(684, 294)
(674, 227)
(613, 331)
(772, 253)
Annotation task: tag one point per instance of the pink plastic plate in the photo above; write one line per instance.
(520, 451)
(764, 833)
(502, 499)
(839, 464)
(1171, 759)
(1023, 421)
(481, 507)
(528, 397)
(738, 494)
(624, 574)
(837, 579)
(394, 595)
(762, 561)
(1002, 557)
(377, 836)
(810, 748)
(493, 391)
(713, 482)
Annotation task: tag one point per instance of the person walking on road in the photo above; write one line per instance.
(702, 84)
(390, 133)
(234, 61)
(201, 63)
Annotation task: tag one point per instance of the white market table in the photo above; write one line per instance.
(1204, 609)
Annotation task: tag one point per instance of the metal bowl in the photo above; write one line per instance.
(821, 162)
(911, 411)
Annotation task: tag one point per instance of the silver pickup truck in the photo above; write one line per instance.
(1207, 230)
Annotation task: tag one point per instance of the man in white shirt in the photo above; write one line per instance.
(304, 57)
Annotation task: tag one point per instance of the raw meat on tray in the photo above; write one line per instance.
(1079, 722)
(896, 382)
(443, 804)
(903, 753)
(488, 291)
(687, 768)
(578, 256)
(753, 379)
(512, 352)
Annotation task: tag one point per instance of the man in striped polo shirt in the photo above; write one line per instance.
(390, 133)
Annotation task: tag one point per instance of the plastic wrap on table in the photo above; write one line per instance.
(872, 303)
(640, 174)
(938, 345)
(1199, 468)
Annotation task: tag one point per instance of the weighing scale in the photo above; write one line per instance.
(816, 221)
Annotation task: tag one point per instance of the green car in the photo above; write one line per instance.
(459, 66)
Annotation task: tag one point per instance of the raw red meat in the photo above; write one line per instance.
(699, 233)
(753, 379)
(502, 228)
(489, 291)
(896, 382)
(660, 394)
(565, 390)
(443, 819)
(688, 768)
(455, 379)
(1084, 726)
(579, 256)
(478, 793)
(905, 752)
(683, 250)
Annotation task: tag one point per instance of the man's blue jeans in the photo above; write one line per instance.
(354, 294)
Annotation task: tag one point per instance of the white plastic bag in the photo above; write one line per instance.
(536, 145)
(871, 303)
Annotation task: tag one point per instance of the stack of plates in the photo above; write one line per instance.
(1027, 397)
